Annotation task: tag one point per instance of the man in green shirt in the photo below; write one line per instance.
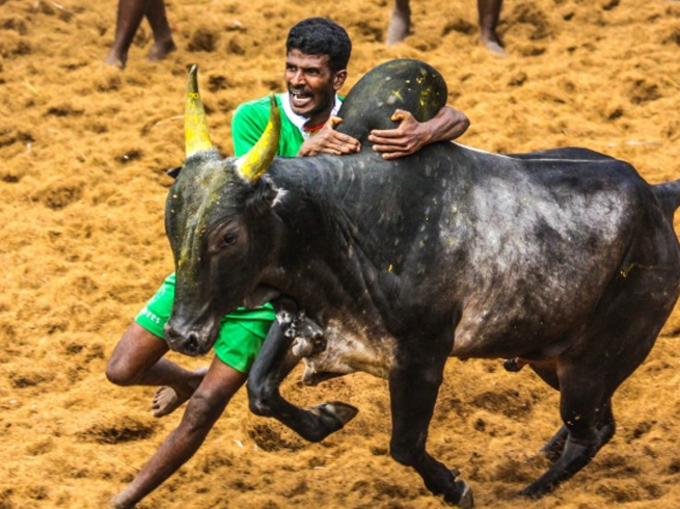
(309, 108)
(318, 52)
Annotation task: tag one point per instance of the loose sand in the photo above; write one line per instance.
(83, 154)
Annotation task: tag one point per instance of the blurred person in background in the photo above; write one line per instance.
(130, 16)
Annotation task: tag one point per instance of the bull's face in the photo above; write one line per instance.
(218, 221)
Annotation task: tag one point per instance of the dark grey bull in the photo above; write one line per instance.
(566, 258)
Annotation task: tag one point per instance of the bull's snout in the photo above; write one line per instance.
(185, 342)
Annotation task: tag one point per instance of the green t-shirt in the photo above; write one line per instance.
(249, 122)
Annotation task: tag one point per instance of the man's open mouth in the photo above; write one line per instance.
(300, 99)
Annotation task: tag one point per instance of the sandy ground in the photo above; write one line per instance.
(83, 154)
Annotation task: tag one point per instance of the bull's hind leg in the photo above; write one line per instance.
(587, 376)
(554, 448)
(624, 329)
(547, 371)
(582, 403)
(606, 428)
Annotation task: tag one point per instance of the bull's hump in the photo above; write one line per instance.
(407, 84)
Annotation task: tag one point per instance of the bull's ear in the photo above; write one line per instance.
(265, 196)
(174, 172)
(253, 164)
(196, 133)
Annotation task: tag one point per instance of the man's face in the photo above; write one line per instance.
(312, 85)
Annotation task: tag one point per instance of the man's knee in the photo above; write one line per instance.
(134, 355)
(121, 368)
(202, 412)
(211, 397)
(119, 372)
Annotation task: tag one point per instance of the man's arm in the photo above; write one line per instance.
(411, 135)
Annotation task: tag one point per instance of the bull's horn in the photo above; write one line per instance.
(253, 164)
(195, 124)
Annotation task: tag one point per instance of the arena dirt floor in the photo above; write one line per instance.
(83, 153)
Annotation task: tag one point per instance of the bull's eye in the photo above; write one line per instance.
(229, 239)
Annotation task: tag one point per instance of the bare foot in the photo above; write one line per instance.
(169, 398)
(115, 60)
(161, 49)
(494, 46)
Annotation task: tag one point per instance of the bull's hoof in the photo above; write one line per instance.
(466, 500)
(340, 413)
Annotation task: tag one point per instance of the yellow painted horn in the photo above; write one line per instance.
(253, 164)
(195, 124)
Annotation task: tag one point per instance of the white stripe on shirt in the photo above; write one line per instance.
(298, 120)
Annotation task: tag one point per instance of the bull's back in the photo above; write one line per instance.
(515, 248)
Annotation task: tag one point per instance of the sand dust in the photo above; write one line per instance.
(83, 154)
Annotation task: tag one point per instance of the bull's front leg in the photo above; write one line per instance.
(279, 355)
(414, 386)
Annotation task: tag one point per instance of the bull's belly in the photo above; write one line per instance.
(508, 335)
(349, 351)
(533, 310)
(491, 346)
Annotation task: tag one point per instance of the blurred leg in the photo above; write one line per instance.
(489, 15)
(204, 408)
(130, 15)
(400, 23)
(162, 35)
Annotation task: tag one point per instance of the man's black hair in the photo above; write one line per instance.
(321, 36)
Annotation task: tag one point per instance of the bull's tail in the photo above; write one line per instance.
(668, 195)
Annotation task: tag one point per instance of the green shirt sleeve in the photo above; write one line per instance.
(248, 124)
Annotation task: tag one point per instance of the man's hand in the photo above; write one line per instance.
(329, 141)
(405, 140)
(411, 135)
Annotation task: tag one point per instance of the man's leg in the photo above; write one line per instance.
(162, 35)
(204, 408)
(130, 15)
(489, 14)
(400, 22)
(138, 360)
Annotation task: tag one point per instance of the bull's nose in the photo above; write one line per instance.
(191, 344)
(187, 344)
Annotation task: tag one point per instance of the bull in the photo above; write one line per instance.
(565, 258)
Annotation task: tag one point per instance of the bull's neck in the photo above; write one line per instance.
(326, 252)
